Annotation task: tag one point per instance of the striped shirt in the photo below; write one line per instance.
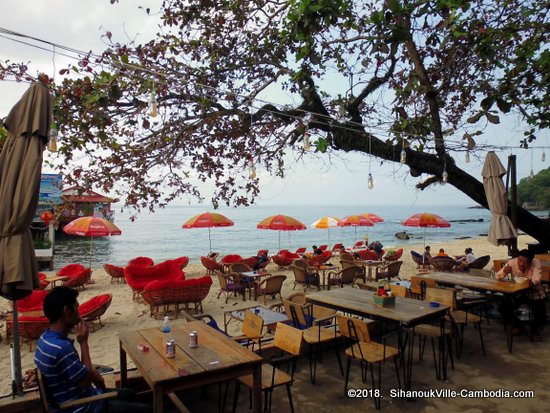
(62, 369)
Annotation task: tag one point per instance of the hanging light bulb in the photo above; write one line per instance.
(543, 158)
(444, 176)
(52, 142)
(531, 174)
(403, 156)
(467, 158)
(153, 103)
(370, 181)
(251, 169)
(307, 142)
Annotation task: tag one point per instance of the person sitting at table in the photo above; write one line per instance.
(316, 250)
(441, 253)
(427, 256)
(524, 265)
(67, 376)
(467, 258)
(260, 259)
(377, 247)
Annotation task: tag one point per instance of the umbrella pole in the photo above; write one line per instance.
(289, 240)
(17, 378)
(209, 240)
(91, 250)
(328, 229)
(279, 239)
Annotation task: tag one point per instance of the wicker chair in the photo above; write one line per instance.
(390, 270)
(229, 285)
(30, 328)
(446, 264)
(176, 293)
(78, 280)
(344, 277)
(301, 250)
(92, 310)
(479, 263)
(270, 286)
(394, 256)
(116, 273)
(143, 261)
(282, 261)
(211, 265)
(33, 302)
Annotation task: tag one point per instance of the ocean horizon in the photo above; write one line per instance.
(159, 235)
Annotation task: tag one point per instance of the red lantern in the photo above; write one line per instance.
(47, 216)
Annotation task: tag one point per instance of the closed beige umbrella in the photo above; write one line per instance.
(28, 124)
(501, 230)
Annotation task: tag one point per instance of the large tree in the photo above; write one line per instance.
(369, 76)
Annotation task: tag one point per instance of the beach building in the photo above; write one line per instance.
(77, 204)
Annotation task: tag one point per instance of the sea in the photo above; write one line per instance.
(160, 235)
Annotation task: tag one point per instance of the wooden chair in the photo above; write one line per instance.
(419, 285)
(270, 286)
(389, 271)
(399, 290)
(344, 277)
(48, 405)
(252, 331)
(317, 331)
(459, 319)
(289, 341)
(434, 332)
(366, 351)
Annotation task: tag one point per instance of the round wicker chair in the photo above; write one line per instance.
(92, 310)
(116, 273)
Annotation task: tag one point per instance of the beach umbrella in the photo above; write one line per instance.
(426, 220)
(501, 230)
(355, 221)
(28, 125)
(91, 227)
(373, 217)
(281, 223)
(326, 223)
(208, 220)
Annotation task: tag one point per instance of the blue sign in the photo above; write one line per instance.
(50, 189)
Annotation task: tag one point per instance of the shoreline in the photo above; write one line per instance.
(124, 314)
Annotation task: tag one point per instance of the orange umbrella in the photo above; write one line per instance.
(91, 227)
(208, 220)
(426, 220)
(373, 217)
(326, 223)
(281, 223)
(355, 221)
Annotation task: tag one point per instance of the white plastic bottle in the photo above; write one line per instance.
(166, 331)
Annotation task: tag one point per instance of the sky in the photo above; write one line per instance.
(310, 180)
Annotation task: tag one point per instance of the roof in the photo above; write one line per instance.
(72, 195)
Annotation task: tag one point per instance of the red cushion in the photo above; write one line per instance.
(144, 261)
(162, 284)
(93, 303)
(138, 276)
(231, 258)
(33, 302)
(70, 270)
(368, 255)
(32, 318)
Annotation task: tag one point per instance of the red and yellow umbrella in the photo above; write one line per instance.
(355, 221)
(373, 217)
(208, 220)
(281, 223)
(426, 220)
(91, 227)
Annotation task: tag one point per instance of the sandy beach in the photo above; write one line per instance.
(125, 314)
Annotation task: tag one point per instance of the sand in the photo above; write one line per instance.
(125, 314)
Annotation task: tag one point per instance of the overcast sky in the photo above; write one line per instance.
(80, 24)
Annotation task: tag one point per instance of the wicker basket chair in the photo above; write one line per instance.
(92, 310)
(116, 273)
(79, 280)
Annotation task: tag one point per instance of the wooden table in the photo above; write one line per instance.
(270, 317)
(406, 312)
(480, 284)
(323, 268)
(370, 264)
(54, 279)
(254, 278)
(217, 358)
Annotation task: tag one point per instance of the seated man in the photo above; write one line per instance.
(525, 265)
(441, 253)
(260, 259)
(66, 376)
(377, 247)
(316, 250)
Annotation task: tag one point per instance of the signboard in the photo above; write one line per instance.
(50, 189)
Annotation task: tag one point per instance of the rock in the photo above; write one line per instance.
(402, 235)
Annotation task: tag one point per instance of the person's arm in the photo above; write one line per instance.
(82, 331)
(505, 270)
(537, 271)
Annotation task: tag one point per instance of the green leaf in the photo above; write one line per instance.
(492, 118)
(503, 105)
(475, 118)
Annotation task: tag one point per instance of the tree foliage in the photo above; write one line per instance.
(535, 190)
(368, 76)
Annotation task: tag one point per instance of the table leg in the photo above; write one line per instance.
(257, 388)
(123, 367)
(158, 402)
